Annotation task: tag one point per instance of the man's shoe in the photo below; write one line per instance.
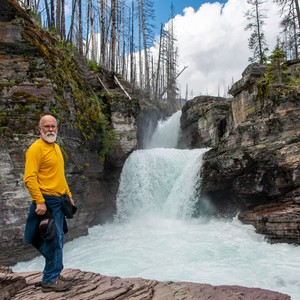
(56, 286)
(66, 279)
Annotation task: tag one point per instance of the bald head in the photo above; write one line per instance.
(48, 128)
(46, 119)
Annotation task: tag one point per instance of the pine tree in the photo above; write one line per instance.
(276, 69)
(257, 42)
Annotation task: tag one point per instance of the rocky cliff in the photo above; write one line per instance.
(97, 131)
(253, 165)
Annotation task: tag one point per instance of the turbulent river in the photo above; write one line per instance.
(155, 235)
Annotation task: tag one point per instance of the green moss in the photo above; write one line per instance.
(107, 139)
(250, 110)
(72, 90)
(4, 119)
(54, 110)
(92, 65)
(82, 168)
(5, 130)
(12, 83)
(21, 95)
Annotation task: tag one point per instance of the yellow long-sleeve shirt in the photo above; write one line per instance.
(44, 171)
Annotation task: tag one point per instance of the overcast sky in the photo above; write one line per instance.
(213, 44)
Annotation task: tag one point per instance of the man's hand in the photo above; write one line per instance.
(41, 209)
(72, 201)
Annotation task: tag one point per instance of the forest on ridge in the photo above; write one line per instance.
(119, 36)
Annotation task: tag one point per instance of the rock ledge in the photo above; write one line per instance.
(88, 285)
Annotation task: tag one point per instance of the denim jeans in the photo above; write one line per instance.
(53, 250)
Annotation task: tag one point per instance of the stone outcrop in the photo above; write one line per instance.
(10, 283)
(203, 122)
(39, 75)
(254, 165)
(87, 285)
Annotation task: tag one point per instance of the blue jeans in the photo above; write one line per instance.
(53, 250)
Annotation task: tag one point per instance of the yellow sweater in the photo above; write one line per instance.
(44, 171)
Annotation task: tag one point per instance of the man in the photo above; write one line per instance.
(45, 180)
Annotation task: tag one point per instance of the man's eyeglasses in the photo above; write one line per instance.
(49, 127)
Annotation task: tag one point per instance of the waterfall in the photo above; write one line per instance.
(166, 133)
(155, 234)
(160, 180)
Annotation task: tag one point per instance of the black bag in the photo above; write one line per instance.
(68, 207)
(47, 227)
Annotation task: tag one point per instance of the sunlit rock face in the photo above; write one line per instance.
(254, 164)
(203, 121)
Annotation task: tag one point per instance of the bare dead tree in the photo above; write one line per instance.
(131, 42)
(52, 17)
(158, 72)
(290, 13)
(112, 56)
(63, 20)
(58, 16)
(47, 14)
(145, 16)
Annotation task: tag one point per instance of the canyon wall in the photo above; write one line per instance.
(253, 167)
(39, 75)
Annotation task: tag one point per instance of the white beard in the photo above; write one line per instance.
(49, 137)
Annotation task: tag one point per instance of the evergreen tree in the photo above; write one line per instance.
(257, 42)
(277, 69)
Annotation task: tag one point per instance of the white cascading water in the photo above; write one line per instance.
(159, 182)
(154, 235)
(166, 133)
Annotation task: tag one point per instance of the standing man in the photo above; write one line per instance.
(45, 180)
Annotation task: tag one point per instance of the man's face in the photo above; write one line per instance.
(48, 129)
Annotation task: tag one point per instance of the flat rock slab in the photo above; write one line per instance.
(88, 285)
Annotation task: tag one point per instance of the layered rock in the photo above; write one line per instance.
(203, 121)
(87, 285)
(38, 75)
(253, 167)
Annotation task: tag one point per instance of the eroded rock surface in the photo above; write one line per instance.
(203, 121)
(87, 285)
